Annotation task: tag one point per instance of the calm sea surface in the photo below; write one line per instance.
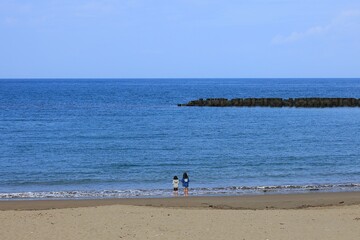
(126, 138)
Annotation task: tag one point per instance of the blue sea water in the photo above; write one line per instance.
(90, 138)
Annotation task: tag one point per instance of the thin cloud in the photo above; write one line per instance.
(96, 8)
(10, 21)
(343, 19)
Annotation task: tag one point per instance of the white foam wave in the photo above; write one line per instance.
(233, 190)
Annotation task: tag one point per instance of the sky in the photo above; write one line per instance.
(179, 38)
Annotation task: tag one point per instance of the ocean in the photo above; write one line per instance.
(106, 138)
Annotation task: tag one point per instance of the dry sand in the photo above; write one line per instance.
(333, 216)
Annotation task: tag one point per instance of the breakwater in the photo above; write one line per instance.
(275, 102)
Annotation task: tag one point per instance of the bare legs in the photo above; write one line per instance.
(186, 192)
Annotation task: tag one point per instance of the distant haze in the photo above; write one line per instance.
(179, 38)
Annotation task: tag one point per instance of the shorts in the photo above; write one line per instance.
(176, 189)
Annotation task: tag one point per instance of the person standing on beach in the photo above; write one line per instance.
(185, 182)
(176, 185)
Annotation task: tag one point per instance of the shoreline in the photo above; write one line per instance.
(246, 202)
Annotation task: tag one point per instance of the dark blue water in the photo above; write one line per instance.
(121, 138)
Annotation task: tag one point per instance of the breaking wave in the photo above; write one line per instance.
(217, 191)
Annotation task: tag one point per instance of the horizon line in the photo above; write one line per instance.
(171, 78)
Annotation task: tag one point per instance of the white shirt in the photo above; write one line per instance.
(176, 183)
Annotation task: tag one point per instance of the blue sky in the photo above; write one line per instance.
(179, 38)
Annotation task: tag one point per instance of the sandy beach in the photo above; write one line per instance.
(294, 216)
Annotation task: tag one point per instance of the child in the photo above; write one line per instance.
(176, 185)
(185, 182)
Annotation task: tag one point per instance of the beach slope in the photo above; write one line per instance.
(114, 219)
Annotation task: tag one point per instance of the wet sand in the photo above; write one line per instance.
(267, 201)
(296, 216)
